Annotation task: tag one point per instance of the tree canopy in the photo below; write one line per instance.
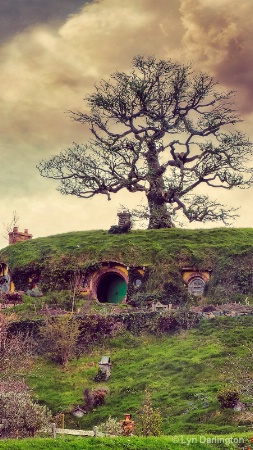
(163, 130)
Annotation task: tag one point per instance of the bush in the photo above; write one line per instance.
(16, 350)
(149, 419)
(100, 376)
(59, 338)
(111, 426)
(94, 398)
(12, 297)
(20, 415)
(144, 299)
(228, 397)
(117, 229)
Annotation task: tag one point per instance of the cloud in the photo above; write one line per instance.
(46, 71)
(50, 67)
(16, 16)
(218, 37)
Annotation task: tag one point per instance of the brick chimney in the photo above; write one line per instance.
(17, 236)
(124, 218)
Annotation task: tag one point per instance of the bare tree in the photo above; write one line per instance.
(58, 338)
(158, 131)
(8, 227)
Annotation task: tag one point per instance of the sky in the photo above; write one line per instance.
(51, 55)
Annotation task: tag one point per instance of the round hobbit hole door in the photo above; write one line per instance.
(111, 288)
(196, 286)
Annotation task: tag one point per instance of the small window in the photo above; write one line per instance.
(196, 286)
(137, 282)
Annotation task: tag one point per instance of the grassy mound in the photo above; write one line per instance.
(183, 373)
(137, 247)
(226, 251)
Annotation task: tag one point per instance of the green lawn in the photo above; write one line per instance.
(183, 373)
(181, 442)
(136, 247)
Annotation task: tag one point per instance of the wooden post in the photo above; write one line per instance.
(95, 431)
(53, 430)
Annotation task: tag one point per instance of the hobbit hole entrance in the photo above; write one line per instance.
(111, 288)
(196, 286)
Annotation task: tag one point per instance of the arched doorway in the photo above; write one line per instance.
(111, 288)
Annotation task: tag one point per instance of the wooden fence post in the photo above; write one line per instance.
(53, 430)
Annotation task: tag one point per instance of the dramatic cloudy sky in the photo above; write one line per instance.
(52, 53)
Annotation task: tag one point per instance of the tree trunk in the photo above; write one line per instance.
(159, 216)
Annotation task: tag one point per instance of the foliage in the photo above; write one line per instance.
(12, 297)
(228, 397)
(148, 419)
(141, 299)
(16, 350)
(94, 398)
(117, 229)
(59, 337)
(20, 415)
(100, 376)
(111, 426)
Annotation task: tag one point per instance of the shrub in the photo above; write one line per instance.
(117, 229)
(141, 299)
(111, 426)
(228, 397)
(16, 350)
(149, 419)
(20, 415)
(94, 398)
(12, 297)
(100, 376)
(59, 338)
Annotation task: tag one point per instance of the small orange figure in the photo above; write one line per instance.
(128, 425)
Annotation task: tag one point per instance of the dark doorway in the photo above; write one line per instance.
(111, 288)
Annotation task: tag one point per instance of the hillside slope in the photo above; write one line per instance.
(226, 252)
(183, 373)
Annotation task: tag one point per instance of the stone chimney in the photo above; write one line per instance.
(17, 236)
(124, 218)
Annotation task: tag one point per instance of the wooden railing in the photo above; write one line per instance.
(89, 433)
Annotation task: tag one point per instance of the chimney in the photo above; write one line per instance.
(124, 218)
(17, 236)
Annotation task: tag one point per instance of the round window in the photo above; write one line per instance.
(196, 286)
(137, 282)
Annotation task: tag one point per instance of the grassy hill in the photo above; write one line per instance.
(227, 252)
(183, 371)
(136, 247)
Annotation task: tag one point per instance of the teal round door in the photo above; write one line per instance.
(112, 288)
(117, 290)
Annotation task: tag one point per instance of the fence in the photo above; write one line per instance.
(89, 433)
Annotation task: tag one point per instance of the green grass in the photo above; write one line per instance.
(227, 252)
(136, 247)
(183, 373)
(181, 442)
